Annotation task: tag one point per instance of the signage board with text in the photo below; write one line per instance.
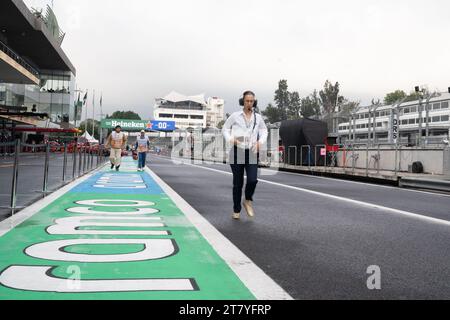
(138, 125)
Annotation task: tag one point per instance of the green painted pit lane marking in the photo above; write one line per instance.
(82, 251)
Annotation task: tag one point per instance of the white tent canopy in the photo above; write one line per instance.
(178, 97)
(89, 138)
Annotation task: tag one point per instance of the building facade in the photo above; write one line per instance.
(376, 124)
(188, 112)
(35, 74)
(54, 95)
(215, 112)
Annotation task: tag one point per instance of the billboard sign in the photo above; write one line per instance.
(138, 125)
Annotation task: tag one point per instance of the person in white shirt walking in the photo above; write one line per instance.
(116, 141)
(247, 133)
(142, 146)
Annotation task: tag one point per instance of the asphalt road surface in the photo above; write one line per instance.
(317, 237)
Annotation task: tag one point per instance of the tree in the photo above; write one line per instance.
(331, 101)
(96, 134)
(310, 106)
(272, 114)
(397, 95)
(348, 106)
(221, 124)
(126, 115)
(393, 97)
(282, 99)
(413, 96)
(330, 97)
(295, 106)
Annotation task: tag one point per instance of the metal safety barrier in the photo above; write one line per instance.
(84, 161)
(289, 154)
(309, 154)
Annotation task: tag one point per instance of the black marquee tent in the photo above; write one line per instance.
(304, 132)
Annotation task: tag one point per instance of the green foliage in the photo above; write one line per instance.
(330, 97)
(282, 99)
(221, 124)
(310, 105)
(96, 134)
(393, 97)
(126, 115)
(397, 95)
(295, 106)
(272, 114)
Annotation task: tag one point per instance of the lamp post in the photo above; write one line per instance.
(374, 111)
(353, 118)
(395, 113)
(427, 117)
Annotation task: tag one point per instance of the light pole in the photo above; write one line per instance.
(427, 108)
(353, 118)
(395, 113)
(374, 111)
(427, 118)
(93, 115)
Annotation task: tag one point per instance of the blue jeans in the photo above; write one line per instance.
(238, 168)
(142, 160)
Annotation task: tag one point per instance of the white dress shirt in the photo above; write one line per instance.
(239, 128)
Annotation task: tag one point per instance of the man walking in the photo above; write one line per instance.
(142, 146)
(247, 133)
(116, 141)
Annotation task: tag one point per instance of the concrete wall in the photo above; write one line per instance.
(447, 161)
(433, 160)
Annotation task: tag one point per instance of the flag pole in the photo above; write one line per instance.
(93, 115)
(101, 118)
(86, 111)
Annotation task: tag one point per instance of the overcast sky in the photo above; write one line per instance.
(137, 50)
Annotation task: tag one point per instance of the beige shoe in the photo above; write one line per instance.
(248, 206)
(236, 216)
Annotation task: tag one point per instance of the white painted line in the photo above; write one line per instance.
(334, 179)
(356, 202)
(256, 280)
(10, 223)
(363, 183)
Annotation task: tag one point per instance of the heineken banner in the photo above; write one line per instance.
(138, 125)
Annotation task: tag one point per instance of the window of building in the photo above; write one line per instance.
(436, 119)
(444, 118)
(412, 121)
(404, 122)
(181, 116)
(436, 106)
(165, 115)
(197, 117)
(444, 105)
